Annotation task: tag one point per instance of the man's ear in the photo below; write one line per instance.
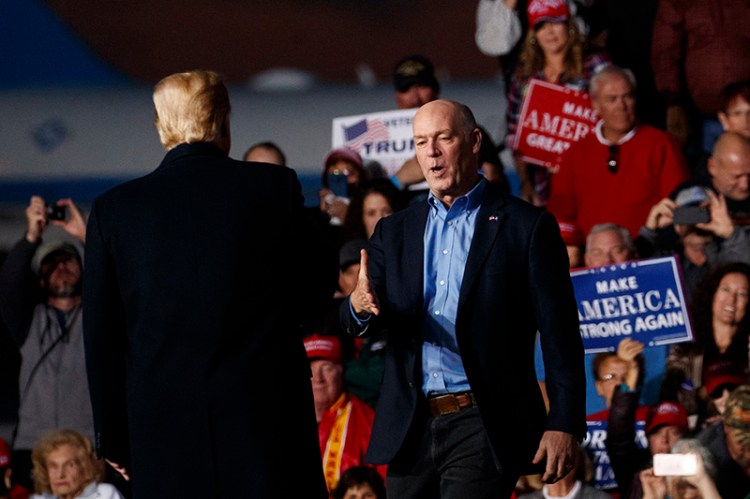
(595, 106)
(476, 135)
(724, 120)
(711, 166)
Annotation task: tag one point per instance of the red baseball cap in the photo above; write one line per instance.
(667, 413)
(571, 234)
(323, 347)
(345, 154)
(722, 373)
(554, 11)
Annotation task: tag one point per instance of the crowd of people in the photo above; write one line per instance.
(406, 351)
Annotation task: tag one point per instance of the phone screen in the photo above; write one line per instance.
(338, 183)
(675, 465)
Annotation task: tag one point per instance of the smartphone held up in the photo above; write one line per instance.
(675, 464)
(692, 206)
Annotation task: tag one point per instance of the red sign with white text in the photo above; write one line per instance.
(553, 117)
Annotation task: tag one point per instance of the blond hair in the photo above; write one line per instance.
(91, 469)
(190, 107)
(531, 59)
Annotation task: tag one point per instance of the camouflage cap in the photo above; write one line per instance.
(737, 414)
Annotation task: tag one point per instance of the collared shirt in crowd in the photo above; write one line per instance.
(447, 239)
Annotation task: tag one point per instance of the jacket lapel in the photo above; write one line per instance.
(489, 221)
(414, 252)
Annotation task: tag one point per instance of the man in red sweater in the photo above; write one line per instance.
(617, 173)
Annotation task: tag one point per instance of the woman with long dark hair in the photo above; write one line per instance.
(721, 326)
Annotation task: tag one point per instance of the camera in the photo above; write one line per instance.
(675, 464)
(691, 215)
(55, 212)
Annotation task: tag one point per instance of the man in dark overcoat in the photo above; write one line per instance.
(199, 380)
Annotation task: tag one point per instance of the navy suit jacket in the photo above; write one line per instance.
(516, 282)
(199, 380)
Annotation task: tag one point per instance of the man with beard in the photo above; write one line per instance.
(40, 304)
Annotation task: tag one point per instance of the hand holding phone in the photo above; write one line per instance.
(339, 184)
(55, 212)
(692, 206)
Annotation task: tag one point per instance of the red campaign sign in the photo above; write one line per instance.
(552, 118)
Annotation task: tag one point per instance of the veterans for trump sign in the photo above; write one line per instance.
(552, 118)
(385, 137)
(642, 300)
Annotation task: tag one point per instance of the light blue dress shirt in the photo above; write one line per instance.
(447, 239)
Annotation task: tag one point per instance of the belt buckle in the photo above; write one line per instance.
(445, 404)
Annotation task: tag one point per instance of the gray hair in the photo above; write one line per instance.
(686, 445)
(627, 239)
(609, 71)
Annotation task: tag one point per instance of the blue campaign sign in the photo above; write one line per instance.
(642, 300)
(595, 446)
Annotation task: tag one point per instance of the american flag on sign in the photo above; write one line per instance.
(363, 131)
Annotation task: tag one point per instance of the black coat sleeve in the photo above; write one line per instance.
(557, 319)
(19, 290)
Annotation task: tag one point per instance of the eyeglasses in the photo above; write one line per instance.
(610, 377)
(613, 161)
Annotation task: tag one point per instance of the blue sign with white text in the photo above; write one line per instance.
(642, 300)
(595, 446)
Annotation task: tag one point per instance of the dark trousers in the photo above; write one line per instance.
(449, 457)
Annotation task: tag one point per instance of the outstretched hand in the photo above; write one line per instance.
(363, 298)
(559, 448)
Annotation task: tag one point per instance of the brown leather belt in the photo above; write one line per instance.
(441, 405)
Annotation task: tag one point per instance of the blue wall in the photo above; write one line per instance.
(39, 50)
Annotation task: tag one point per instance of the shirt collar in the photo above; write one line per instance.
(468, 202)
(576, 487)
(600, 135)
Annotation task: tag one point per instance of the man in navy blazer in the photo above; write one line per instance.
(200, 383)
(463, 283)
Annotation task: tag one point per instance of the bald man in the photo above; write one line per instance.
(729, 166)
(463, 281)
(728, 190)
